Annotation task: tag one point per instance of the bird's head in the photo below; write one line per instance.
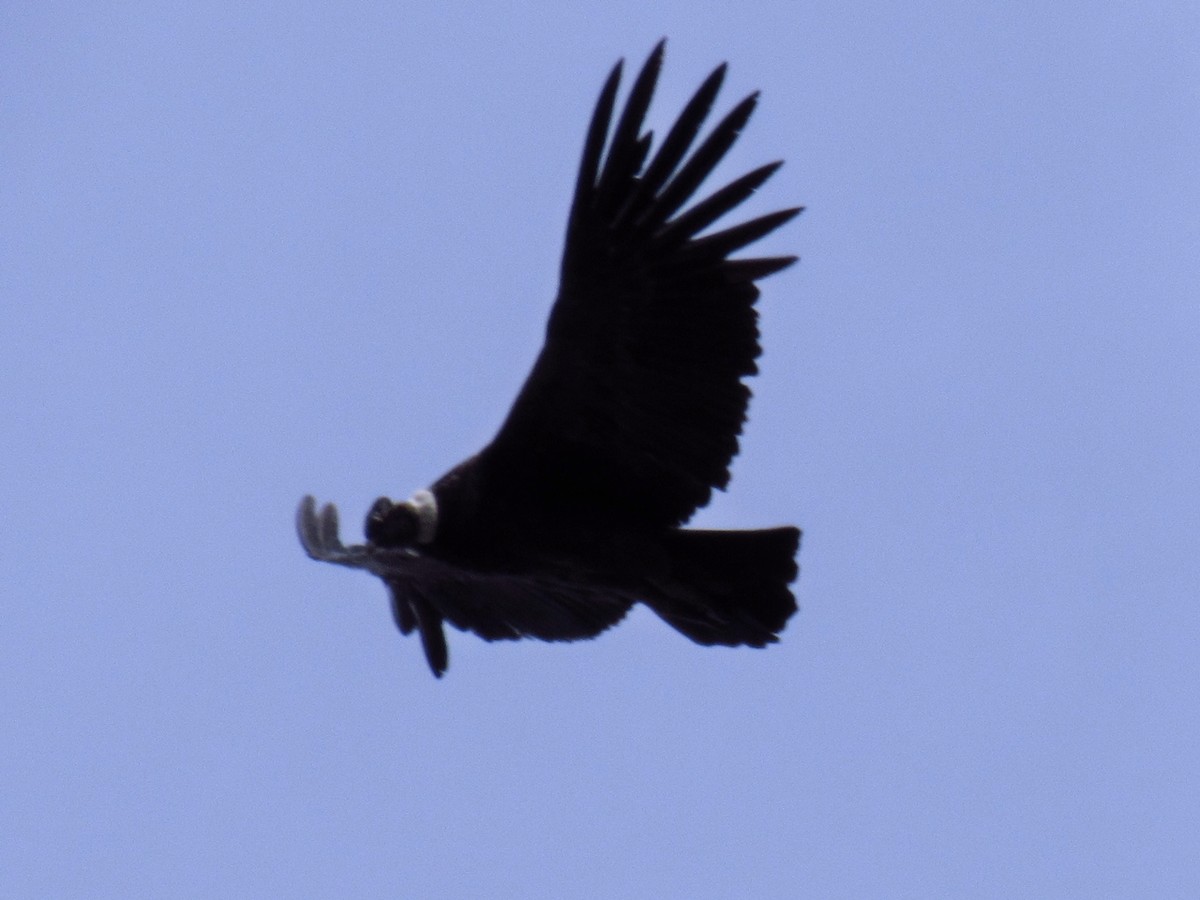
(404, 524)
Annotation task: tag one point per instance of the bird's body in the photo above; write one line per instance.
(627, 422)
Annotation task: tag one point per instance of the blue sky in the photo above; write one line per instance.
(250, 251)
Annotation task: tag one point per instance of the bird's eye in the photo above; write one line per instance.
(390, 524)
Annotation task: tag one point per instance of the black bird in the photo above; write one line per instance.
(629, 419)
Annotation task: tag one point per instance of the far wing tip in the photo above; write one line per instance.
(318, 533)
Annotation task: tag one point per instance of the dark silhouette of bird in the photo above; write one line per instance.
(629, 419)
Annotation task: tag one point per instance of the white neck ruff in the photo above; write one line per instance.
(424, 504)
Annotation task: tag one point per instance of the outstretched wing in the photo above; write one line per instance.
(426, 591)
(634, 407)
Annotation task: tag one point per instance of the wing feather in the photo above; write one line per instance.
(704, 213)
(698, 167)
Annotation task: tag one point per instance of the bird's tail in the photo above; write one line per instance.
(728, 587)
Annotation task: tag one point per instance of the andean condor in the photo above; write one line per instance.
(629, 419)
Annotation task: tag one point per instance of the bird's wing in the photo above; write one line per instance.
(426, 591)
(636, 402)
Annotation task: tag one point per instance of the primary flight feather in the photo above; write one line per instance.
(628, 420)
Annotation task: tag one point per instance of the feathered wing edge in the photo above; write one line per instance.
(424, 592)
(653, 319)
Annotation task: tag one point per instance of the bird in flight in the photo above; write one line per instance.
(628, 420)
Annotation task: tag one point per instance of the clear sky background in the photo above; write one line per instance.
(250, 251)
